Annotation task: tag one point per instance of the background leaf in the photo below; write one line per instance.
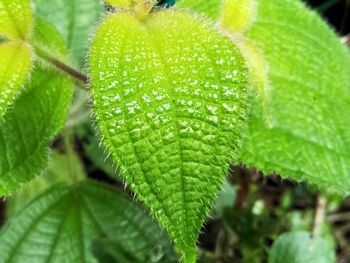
(26, 131)
(75, 20)
(309, 73)
(60, 225)
(307, 136)
(300, 247)
(15, 19)
(171, 118)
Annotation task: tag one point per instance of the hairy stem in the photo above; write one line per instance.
(62, 66)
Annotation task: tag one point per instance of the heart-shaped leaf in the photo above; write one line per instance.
(170, 100)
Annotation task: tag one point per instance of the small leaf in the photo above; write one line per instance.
(61, 224)
(15, 19)
(309, 75)
(170, 100)
(74, 19)
(15, 61)
(300, 247)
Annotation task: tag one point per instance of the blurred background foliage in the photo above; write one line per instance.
(256, 218)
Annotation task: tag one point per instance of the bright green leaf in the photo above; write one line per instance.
(15, 19)
(299, 127)
(61, 224)
(309, 74)
(15, 60)
(170, 100)
(26, 131)
(300, 247)
(74, 19)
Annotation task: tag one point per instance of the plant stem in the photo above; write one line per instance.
(68, 145)
(62, 66)
(320, 212)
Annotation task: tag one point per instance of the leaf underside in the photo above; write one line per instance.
(170, 100)
(61, 224)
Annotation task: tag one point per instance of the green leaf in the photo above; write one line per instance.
(15, 19)
(300, 247)
(26, 131)
(58, 170)
(309, 75)
(299, 124)
(15, 61)
(74, 19)
(60, 225)
(170, 101)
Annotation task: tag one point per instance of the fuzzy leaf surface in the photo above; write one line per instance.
(15, 19)
(61, 224)
(170, 99)
(26, 131)
(15, 61)
(300, 247)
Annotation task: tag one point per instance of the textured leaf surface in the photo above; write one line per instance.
(26, 131)
(61, 224)
(170, 99)
(74, 19)
(309, 73)
(15, 60)
(15, 19)
(300, 247)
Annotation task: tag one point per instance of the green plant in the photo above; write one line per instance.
(176, 99)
